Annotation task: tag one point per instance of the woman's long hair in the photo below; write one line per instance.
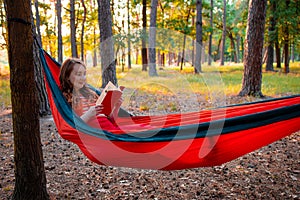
(67, 87)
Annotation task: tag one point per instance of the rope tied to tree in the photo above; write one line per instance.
(19, 20)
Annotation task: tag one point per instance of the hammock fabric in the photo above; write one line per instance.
(174, 141)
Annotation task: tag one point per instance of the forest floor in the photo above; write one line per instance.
(272, 172)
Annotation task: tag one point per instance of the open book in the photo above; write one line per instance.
(109, 97)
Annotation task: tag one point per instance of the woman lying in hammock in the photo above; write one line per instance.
(73, 84)
(82, 99)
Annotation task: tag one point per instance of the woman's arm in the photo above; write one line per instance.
(89, 114)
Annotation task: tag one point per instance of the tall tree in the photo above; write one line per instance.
(198, 37)
(59, 32)
(38, 21)
(39, 79)
(94, 17)
(185, 31)
(30, 178)
(252, 78)
(210, 32)
(223, 35)
(128, 36)
(271, 36)
(82, 30)
(287, 29)
(152, 39)
(144, 48)
(286, 41)
(73, 29)
(108, 63)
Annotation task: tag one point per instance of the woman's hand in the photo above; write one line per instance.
(99, 109)
(114, 113)
(119, 103)
(90, 113)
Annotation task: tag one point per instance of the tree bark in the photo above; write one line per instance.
(38, 21)
(108, 62)
(144, 48)
(73, 29)
(293, 52)
(152, 39)
(222, 57)
(30, 178)
(82, 30)
(238, 38)
(43, 103)
(44, 108)
(233, 47)
(270, 58)
(198, 56)
(59, 29)
(271, 29)
(210, 33)
(182, 61)
(286, 43)
(40, 84)
(278, 52)
(252, 78)
(128, 37)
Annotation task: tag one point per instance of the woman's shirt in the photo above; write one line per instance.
(83, 104)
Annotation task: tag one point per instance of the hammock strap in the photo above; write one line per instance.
(19, 20)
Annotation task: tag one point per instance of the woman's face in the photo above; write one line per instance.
(78, 76)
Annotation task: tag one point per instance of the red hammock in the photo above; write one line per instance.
(175, 141)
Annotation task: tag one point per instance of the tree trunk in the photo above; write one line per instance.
(128, 37)
(95, 61)
(222, 57)
(203, 56)
(40, 84)
(271, 29)
(152, 39)
(252, 78)
(38, 21)
(163, 59)
(82, 31)
(270, 58)
(44, 108)
(210, 33)
(278, 52)
(30, 178)
(184, 42)
(286, 55)
(286, 43)
(144, 48)
(217, 56)
(108, 62)
(238, 38)
(233, 48)
(198, 67)
(243, 48)
(293, 52)
(59, 29)
(73, 29)
(276, 37)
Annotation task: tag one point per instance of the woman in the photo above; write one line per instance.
(82, 99)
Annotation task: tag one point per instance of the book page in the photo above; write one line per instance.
(109, 87)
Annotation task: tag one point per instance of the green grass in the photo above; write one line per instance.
(225, 79)
(228, 79)
(4, 92)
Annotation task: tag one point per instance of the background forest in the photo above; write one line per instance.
(71, 28)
